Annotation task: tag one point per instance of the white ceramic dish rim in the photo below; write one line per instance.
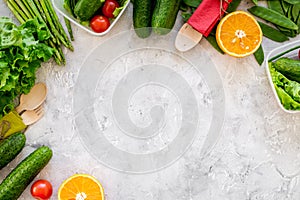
(73, 20)
(270, 55)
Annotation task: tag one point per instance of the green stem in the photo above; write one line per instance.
(24, 9)
(17, 9)
(57, 56)
(39, 16)
(46, 20)
(28, 8)
(50, 21)
(69, 27)
(15, 12)
(58, 24)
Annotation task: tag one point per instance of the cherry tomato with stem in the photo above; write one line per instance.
(99, 23)
(109, 8)
(41, 189)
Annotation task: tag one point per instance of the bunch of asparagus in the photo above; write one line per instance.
(44, 11)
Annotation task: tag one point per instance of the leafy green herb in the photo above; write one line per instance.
(233, 5)
(259, 55)
(21, 54)
(192, 3)
(212, 40)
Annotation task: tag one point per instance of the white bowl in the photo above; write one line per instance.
(58, 5)
(275, 52)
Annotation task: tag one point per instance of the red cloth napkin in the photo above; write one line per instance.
(207, 15)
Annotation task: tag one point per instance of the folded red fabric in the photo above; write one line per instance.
(207, 15)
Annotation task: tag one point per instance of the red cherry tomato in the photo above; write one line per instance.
(41, 189)
(109, 7)
(299, 54)
(99, 23)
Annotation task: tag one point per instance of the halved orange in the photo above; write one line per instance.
(238, 34)
(81, 187)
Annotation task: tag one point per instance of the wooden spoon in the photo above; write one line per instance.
(33, 99)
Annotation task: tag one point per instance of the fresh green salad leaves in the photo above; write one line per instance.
(288, 89)
(21, 54)
(118, 10)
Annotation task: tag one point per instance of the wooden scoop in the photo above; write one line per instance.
(33, 99)
(200, 23)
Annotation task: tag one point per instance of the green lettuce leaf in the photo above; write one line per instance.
(286, 100)
(287, 90)
(21, 53)
(119, 9)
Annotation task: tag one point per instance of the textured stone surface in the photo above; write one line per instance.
(255, 157)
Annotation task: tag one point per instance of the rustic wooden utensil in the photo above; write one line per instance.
(31, 116)
(33, 99)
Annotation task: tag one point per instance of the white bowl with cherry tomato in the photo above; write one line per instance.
(102, 21)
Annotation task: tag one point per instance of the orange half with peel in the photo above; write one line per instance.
(238, 34)
(81, 187)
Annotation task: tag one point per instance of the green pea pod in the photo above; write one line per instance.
(289, 13)
(285, 6)
(233, 5)
(292, 1)
(287, 32)
(259, 55)
(298, 22)
(272, 33)
(296, 16)
(273, 17)
(212, 40)
(276, 6)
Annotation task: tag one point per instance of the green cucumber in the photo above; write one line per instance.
(10, 147)
(164, 15)
(289, 68)
(142, 13)
(85, 9)
(18, 179)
